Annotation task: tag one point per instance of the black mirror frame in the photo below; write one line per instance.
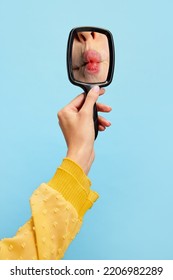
(88, 86)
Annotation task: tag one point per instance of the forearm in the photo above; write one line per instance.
(57, 211)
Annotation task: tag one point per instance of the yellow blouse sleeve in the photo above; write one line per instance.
(57, 209)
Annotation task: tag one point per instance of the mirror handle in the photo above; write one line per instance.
(95, 119)
(86, 89)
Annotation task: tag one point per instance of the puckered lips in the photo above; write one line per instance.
(92, 61)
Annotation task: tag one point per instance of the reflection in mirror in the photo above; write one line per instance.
(90, 57)
(90, 60)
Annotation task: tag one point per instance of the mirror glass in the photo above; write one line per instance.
(90, 57)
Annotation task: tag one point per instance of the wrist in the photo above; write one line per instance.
(82, 158)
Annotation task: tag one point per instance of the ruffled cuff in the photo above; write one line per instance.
(71, 181)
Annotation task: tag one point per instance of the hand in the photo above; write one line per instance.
(76, 122)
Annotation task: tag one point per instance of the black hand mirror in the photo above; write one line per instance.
(90, 60)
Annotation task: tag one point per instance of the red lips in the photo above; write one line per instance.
(92, 59)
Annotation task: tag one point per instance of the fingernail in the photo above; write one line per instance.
(96, 88)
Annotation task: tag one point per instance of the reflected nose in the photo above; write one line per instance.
(85, 36)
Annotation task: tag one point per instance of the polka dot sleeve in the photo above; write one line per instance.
(57, 211)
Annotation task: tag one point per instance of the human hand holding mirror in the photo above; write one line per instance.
(90, 60)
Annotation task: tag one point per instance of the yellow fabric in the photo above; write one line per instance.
(74, 185)
(57, 211)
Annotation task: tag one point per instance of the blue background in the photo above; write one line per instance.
(133, 169)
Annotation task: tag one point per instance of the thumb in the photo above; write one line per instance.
(91, 99)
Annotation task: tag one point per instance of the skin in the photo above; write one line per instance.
(90, 41)
(76, 122)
